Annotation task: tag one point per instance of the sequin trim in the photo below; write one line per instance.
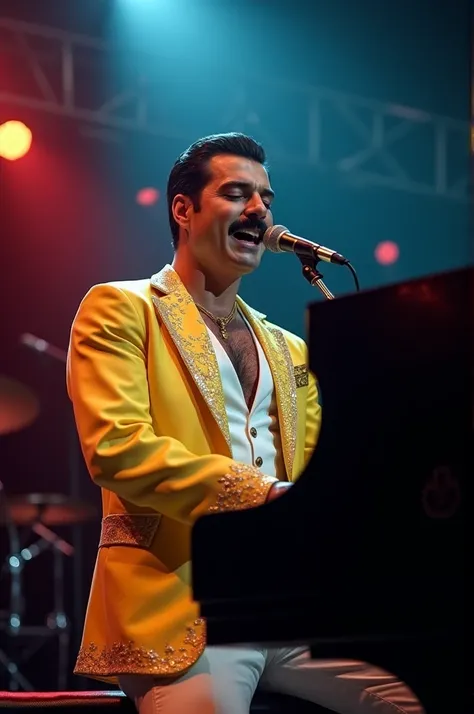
(129, 529)
(278, 355)
(167, 280)
(188, 331)
(301, 375)
(129, 658)
(286, 395)
(245, 487)
(191, 338)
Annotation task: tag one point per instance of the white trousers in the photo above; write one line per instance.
(224, 679)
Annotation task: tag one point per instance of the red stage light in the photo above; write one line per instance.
(148, 196)
(387, 253)
(15, 140)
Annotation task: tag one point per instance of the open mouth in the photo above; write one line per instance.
(248, 236)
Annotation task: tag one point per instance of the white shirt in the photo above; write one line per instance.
(255, 434)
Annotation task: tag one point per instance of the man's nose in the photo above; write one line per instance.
(256, 207)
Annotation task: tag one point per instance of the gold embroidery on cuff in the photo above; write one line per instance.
(128, 658)
(244, 488)
(129, 529)
(301, 375)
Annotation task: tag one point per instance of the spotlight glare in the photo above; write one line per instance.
(15, 140)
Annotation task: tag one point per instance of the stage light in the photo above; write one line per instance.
(148, 196)
(387, 253)
(15, 140)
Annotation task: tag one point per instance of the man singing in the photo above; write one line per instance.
(186, 403)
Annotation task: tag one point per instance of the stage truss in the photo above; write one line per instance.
(365, 141)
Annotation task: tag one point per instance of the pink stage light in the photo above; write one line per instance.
(148, 196)
(387, 252)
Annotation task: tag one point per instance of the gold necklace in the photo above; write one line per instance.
(221, 322)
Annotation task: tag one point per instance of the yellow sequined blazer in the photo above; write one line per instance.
(149, 407)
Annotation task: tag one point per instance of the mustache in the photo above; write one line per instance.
(249, 223)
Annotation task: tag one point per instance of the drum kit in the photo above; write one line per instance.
(29, 520)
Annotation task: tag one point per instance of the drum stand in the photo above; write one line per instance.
(56, 622)
(37, 513)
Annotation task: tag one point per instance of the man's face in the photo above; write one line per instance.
(236, 199)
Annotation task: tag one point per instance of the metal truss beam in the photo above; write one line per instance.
(367, 142)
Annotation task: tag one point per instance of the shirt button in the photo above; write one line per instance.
(258, 461)
(253, 432)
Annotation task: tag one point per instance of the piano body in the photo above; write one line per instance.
(365, 557)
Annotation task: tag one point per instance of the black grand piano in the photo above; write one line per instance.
(367, 556)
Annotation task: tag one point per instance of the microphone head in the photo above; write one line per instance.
(272, 236)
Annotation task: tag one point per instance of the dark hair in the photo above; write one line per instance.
(190, 172)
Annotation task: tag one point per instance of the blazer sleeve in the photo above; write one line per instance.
(107, 384)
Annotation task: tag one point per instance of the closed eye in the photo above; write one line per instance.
(231, 197)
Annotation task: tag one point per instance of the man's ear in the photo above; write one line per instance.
(182, 208)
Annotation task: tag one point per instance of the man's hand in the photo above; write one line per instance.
(277, 489)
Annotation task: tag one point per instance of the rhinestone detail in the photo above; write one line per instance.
(128, 658)
(245, 487)
(190, 335)
(278, 355)
(129, 529)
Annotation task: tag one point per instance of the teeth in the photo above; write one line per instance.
(252, 235)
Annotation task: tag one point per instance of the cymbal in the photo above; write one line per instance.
(51, 509)
(18, 405)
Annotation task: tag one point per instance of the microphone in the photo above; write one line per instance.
(38, 345)
(278, 239)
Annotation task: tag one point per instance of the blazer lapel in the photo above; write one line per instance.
(189, 333)
(279, 359)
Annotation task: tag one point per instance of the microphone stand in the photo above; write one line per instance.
(314, 276)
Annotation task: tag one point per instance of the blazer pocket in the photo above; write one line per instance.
(301, 375)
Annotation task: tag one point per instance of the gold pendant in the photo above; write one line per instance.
(223, 329)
